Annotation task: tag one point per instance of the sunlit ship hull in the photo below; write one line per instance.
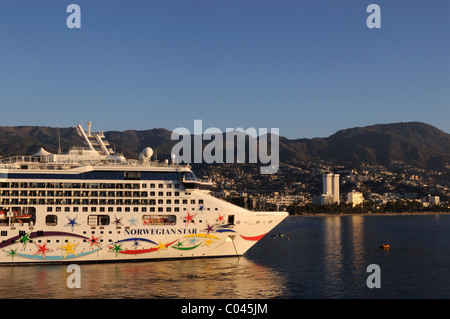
(64, 209)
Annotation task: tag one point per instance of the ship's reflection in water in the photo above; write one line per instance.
(319, 257)
(190, 278)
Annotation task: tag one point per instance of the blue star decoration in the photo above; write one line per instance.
(136, 243)
(132, 221)
(72, 222)
(193, 240)
(201, 207)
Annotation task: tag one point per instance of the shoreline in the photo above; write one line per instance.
(370, 214)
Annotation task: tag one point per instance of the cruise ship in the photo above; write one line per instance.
(93, 205)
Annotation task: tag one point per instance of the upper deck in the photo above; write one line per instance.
(96, 153)
(96, 161)
(74, 161)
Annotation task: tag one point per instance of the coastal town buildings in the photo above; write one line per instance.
(302, 183)
(355, 198)
(430, 200)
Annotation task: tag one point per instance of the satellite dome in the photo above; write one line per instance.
(146, 154)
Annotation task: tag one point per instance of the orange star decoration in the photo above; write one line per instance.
(69, 249)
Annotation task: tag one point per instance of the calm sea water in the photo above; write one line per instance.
(319, 257)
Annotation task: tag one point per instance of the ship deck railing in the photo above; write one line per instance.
(43, 162)
(206, 181)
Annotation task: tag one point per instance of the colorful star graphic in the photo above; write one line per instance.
(189, 218)
(72, 222)
(25, 239)
(178, 244)
(209, 228)
(220, 219)
(136, 243)
(132, 221)
(11, 253)
(118, 221)
(116, 248)
(208, 241)
(161, 246)
(42, 249)
(69, 249)
(193, 240)
(94, 241)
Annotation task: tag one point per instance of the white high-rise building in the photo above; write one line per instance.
(331, 186)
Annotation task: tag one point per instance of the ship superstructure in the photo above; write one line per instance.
(92, 205)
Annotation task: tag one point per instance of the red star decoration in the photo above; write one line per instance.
(42, 249)
(189, 218)
(221, 218)
(94, 241)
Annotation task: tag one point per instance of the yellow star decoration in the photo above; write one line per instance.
(69, 249)
(161, 246)
(208, 241)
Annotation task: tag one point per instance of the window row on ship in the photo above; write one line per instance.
(24, 193)
(103, 175)
(85, 201)
(119, 209)
(52, 185)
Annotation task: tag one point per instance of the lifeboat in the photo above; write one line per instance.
(24, 216)
(18, 214)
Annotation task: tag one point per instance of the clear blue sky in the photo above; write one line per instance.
(308, 68)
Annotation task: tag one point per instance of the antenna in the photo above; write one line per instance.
(59, 142)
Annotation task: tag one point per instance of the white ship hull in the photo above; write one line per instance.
(209, 234)
(91, 205)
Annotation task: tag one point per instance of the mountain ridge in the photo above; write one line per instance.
(415, 143)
